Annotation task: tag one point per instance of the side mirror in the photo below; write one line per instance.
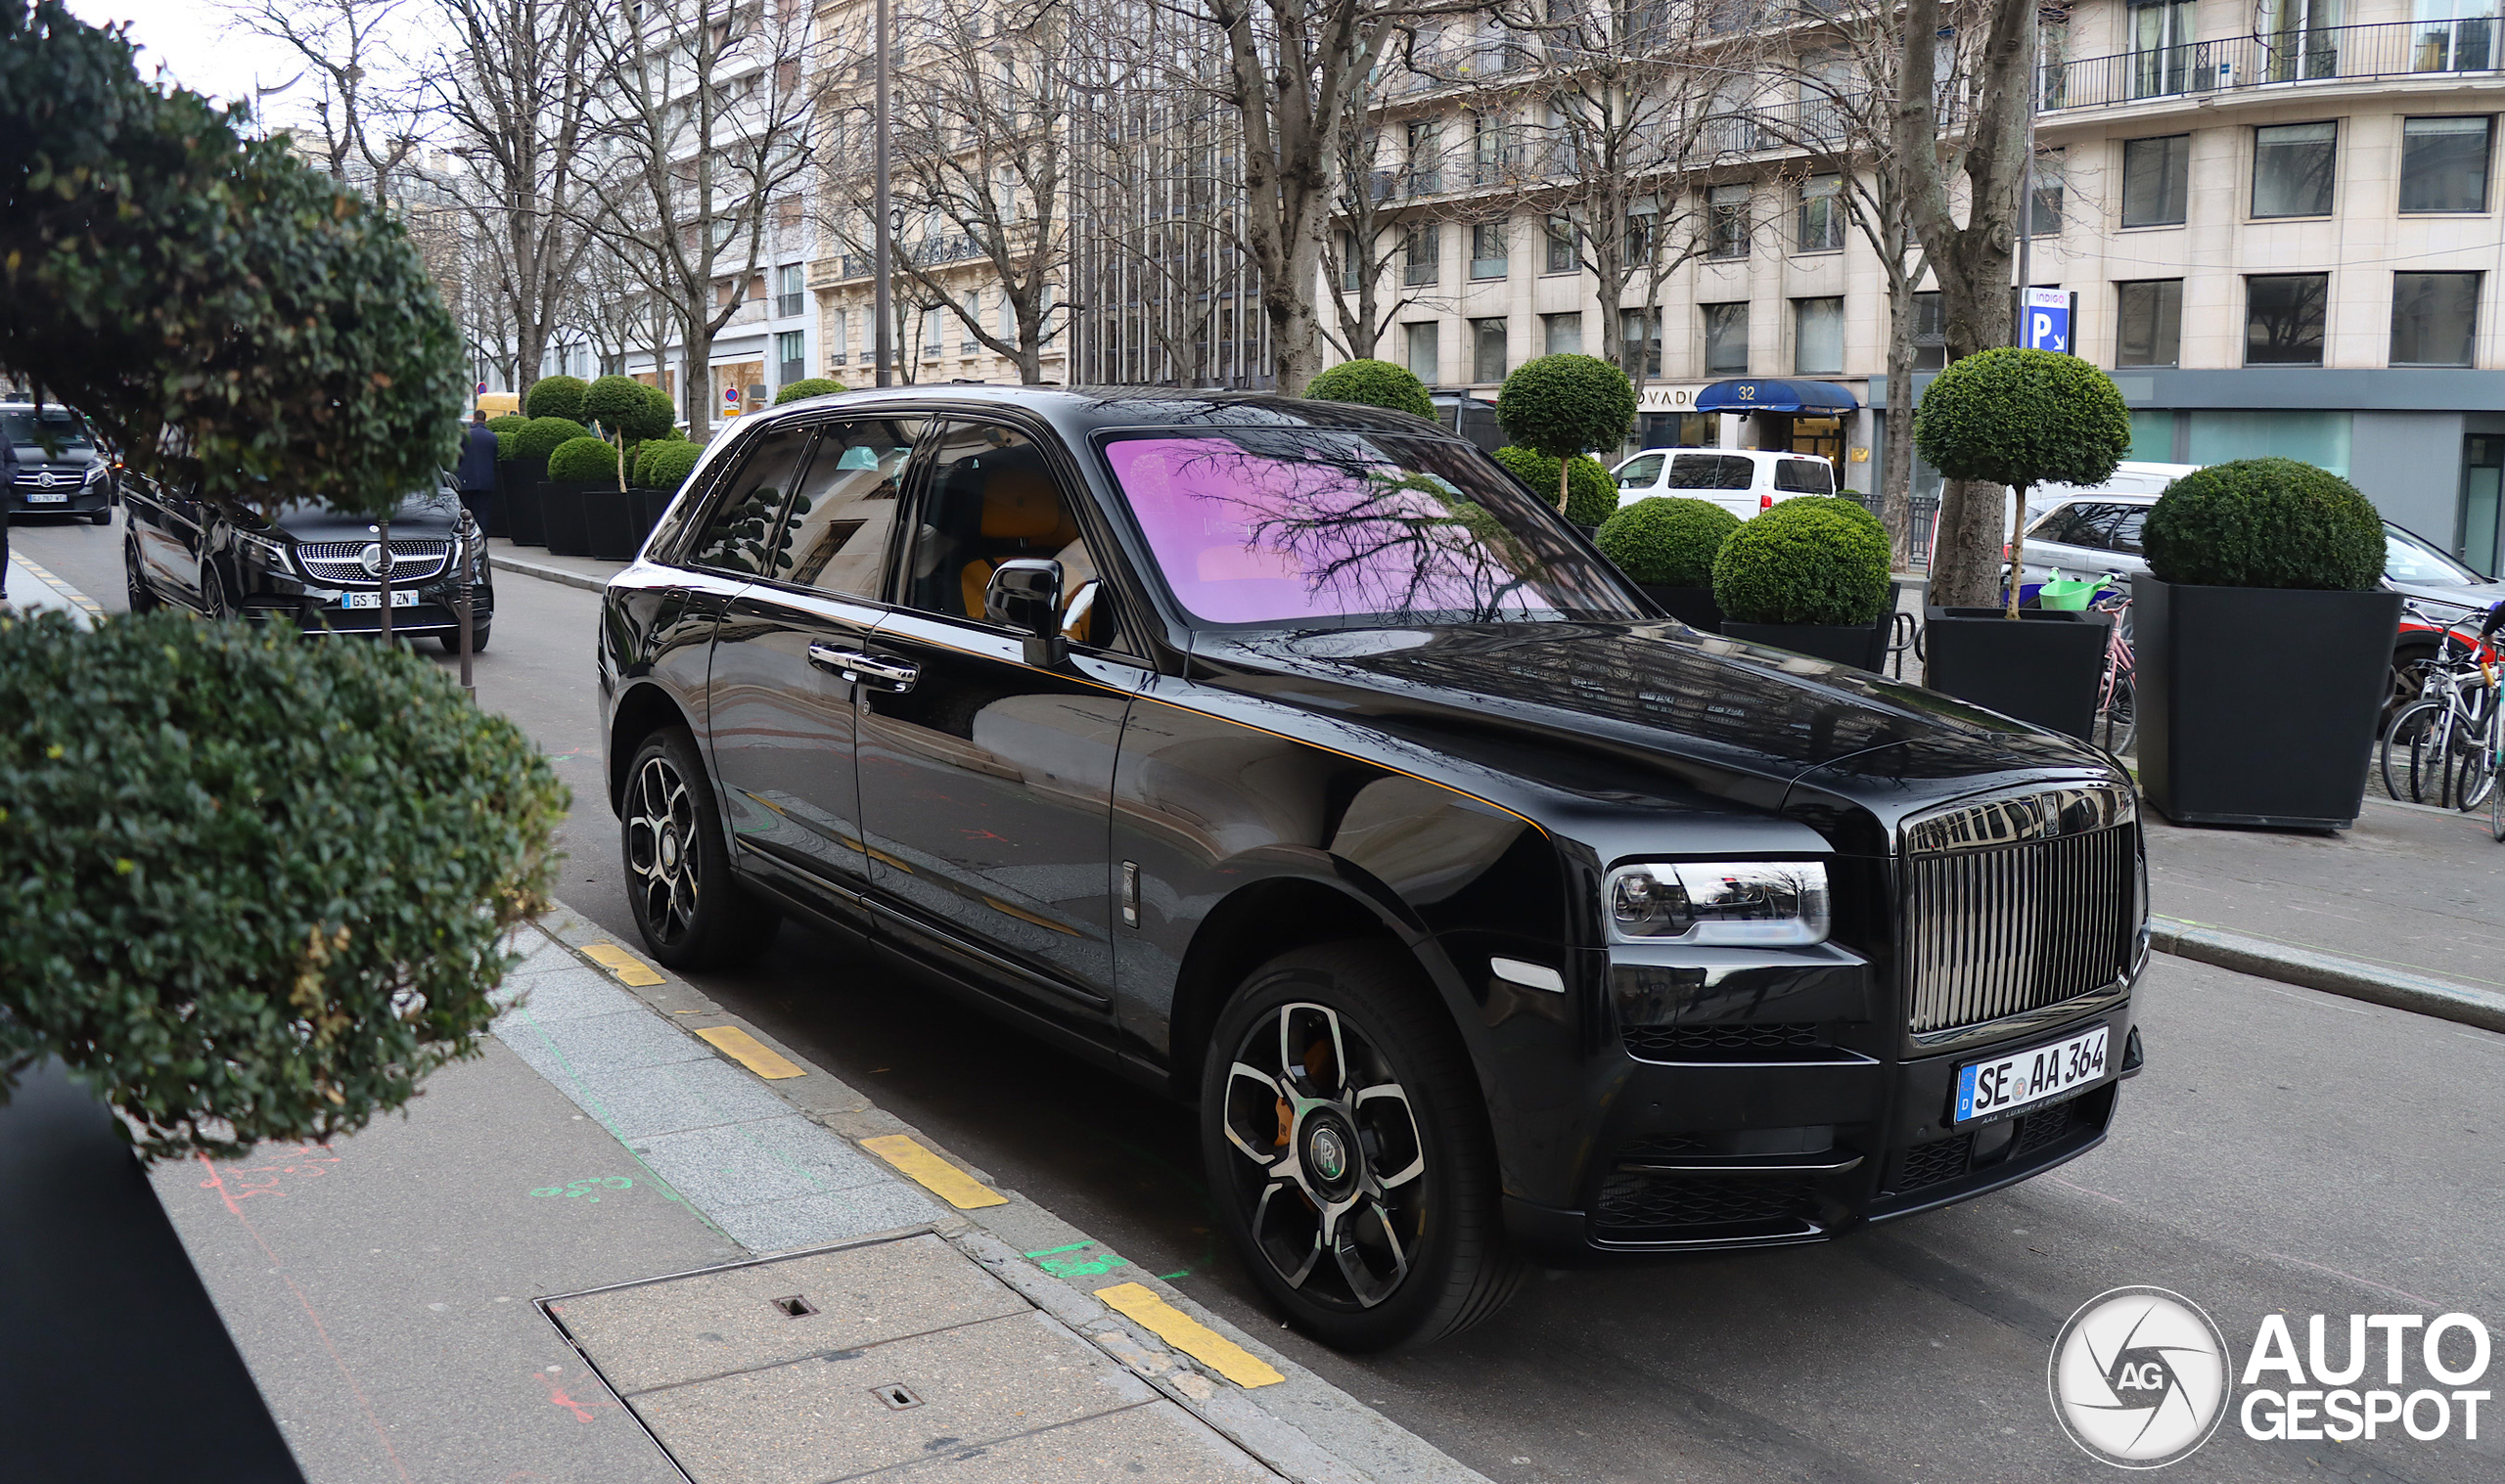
(1024, 597)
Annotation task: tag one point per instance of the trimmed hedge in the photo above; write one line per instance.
(505, 429)
(1565, 404)
(556, 398)
(539, 437)
(1812, 560)
(167, 929)
(1591, 495)
(584, 461)
(2265, 523)
(622, 410)
(666, 464)
(808, 386)
(2023, 417)
(1668, 540)
(1372, 384)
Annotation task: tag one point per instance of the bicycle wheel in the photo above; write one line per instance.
(2475, 778)
(2497, 799)
(2407, 754)
(2118, 719)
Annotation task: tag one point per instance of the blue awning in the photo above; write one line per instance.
(1776, 396)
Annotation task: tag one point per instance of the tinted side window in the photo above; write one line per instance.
(740, 535)
(844, 516)
(1642, 473)
(2126, 527)
(1712, 471)
(991, 497)
(1803, 476)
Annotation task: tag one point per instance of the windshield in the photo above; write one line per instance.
(1298, 525)
(2406, 559)
(58, 431)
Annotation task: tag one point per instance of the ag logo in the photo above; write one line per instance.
(2139, 1377)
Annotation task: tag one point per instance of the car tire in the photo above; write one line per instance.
(102, 516)
(690, 910)
(137, 595)
(2409, 665)
(1340, 1057)
(479, 631)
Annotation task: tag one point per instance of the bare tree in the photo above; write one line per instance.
(512, 85)
(1973, 124)
(363, 118)
(704, 124)
(1372, 240)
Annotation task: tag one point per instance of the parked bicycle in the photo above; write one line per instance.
(2443, 749)
(2117, 696)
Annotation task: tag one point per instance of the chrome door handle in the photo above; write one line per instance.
(897, 675)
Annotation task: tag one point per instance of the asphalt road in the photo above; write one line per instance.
(2286, 1151)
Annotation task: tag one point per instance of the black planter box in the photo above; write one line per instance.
(2258, 705)
(650, 506)
(563, 528)
(1863, 646)
(609, 520)
(522, 503)
(1692, 605)
(2045, 668)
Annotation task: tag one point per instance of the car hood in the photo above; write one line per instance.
(432, 513)
(32, 456)
(1616, 711)
(2480, 596)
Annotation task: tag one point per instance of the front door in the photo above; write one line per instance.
(987, 781)
(810, 516)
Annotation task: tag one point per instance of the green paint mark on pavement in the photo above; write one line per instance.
(1080, 1259)
(587, 1189)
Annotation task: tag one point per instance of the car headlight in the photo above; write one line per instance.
(275, 552)
(1730, 904)
(95, 472)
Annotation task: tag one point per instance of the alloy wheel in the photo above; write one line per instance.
(1330, 1159)
(660, 850)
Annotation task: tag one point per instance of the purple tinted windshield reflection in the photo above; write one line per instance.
(1281, 525)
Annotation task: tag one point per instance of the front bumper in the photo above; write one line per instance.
(85, 500)
(275, 597)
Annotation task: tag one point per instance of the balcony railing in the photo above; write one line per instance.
(2322, 53)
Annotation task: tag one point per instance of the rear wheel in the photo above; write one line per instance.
(2413, 755)
(137, 595)
(691, 913)
(1348, 1151)
(2409, 667)
(2117, 720)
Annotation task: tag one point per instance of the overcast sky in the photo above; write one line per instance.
(205, 50)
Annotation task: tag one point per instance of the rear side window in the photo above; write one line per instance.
(1713, 472)
(740, 535)
(1803, 476)
(2098, 528)
(1641, 474)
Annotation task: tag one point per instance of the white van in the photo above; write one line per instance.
(1742, 481)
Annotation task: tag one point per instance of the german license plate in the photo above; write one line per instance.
(1988, 1089)
(401, 597)
(52, 497)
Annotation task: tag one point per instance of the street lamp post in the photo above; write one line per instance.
(879, 207)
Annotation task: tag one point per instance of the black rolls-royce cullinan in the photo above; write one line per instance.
(1294, 758)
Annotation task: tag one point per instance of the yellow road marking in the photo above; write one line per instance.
(628, 968)
(1179, 1329)
(751, 1052)
(932, 1173)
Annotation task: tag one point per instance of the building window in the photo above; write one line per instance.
(2283, 318)
(1487, 349)
(839, 344)
(2161, 46)
(1727, 222)
(1426, 157)
(1005, 323)
(1561, 334)
(1418, 255)
(789, 295)
(931, 333)
(2293, 165)
(2151, 328)
(2443, 165)
(1931, 332)
(1636, 326)
(1421, 349)
(2047, 221)
(1562, 257)
(1817, 337)
(2433, 315)
(1726, 339)
(1352, 267)
(2157, 180)
(1487, 250)
(1821, 214)
(792, 351)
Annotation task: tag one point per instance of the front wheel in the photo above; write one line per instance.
(137, 595)
(691, 913)
(1348, 1151)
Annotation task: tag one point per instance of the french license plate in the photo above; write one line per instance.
(1988, 1089)
(52, 497)
(401, 597)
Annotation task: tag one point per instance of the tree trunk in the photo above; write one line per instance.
(1896, 459)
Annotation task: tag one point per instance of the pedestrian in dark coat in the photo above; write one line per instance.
(477, 474)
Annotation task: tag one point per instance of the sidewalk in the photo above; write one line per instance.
(30, 589)
(557, 1267)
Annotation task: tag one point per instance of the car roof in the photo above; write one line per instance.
(1745, 453)
(1077, 411)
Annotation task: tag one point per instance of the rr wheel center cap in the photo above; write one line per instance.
(670, 850)
(1331, 1154)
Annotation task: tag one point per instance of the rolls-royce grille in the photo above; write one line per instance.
(1999, 929)
(413, 561)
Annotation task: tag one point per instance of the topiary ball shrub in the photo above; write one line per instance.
(1668, 540)
(1812, 560)
(622, 407)
(583, 461)
(2265, 523)
(556, 398)
(505, 429)
(1566, 404)
(1372, 384)
(808, 386)
(665, 410)
(667, 465)
(2023, 417)
(539, 437)
(167, 934)
(1591, 495)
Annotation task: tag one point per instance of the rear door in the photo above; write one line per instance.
(1727, 479)
(987, 781)
(1803, 476)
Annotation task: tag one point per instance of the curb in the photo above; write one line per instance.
(2461, 1003)
(588, 584)
(1305, 1430)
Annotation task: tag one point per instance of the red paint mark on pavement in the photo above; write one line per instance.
(557, 1397)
